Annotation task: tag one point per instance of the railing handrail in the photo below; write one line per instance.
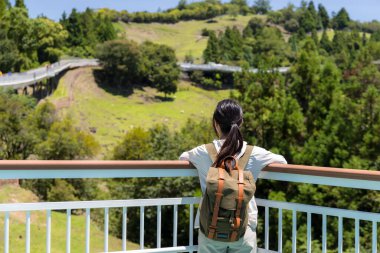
(170, 164)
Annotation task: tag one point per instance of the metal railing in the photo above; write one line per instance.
(24, 79)
(359, 179)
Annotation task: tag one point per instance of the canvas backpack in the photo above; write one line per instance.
(224, 207)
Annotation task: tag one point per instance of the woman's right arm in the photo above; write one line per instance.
(260, 158)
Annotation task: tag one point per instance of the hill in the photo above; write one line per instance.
(109, 113)
(185, 36)
(15, 194)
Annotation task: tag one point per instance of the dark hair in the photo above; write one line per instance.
(229, 116)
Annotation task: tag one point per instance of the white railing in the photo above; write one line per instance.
(21, 80)
(128, 169)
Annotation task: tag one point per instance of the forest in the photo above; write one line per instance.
(325, 111)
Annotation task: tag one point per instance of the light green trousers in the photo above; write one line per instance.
(246, 244)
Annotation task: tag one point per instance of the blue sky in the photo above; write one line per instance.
(363, 10)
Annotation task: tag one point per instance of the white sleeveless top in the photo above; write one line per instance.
(259, 159)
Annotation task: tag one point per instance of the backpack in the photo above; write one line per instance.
(224, 207)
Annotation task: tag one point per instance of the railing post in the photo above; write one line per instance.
(324, 233)
(357, 236)
(88, 223)
(27, 233)
(6, 233)
(175, 225)
(68, 230)
(266, 228)
(374, 237)
(124, 229)
(340, 235)
(308, 232)
(191, 226)
(48, 231)
(294, 232)
(142, 211)
(280, 230)
(106, 216)
(158, 226)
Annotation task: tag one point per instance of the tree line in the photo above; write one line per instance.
(26, 43)
(185, 11)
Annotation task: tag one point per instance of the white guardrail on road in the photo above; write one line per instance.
(24, 79)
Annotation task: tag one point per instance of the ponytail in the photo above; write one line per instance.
(229, 116)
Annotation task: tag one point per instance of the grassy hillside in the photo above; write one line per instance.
(14, 194)
(185, 36)
(111, 114)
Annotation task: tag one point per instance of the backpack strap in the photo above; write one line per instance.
(240, 198)
(219, 195)
(211, 150)
(243, 161)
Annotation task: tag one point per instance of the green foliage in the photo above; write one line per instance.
(160, 67)
(3, 7)
(86, 30)
(125, 62)
(121, 61)
(323, 16)
(341, 20)
(64, 142)
(20, 4)
(212, 51)
(16, 135)
(261, 6)
(134, 146)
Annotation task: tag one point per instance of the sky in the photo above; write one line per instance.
(363, 10)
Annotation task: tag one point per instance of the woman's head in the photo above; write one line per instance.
(227, 119)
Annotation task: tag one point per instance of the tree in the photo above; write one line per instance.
(325, 42)
(9, 54)
(262, 6)
(3, 7)
(341, 20)
(20, 4)
(50, 39)
(16, 136)
(181, 4)
(323, 16)
(160, 67)
(242, 6)
(121, 61)
(65, 142)
(212, 51)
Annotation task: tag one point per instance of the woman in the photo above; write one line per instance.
(227, 120)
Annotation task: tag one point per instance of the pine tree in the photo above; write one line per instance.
(323, 16)
(20, 4)
(212, 51)
(341, 20)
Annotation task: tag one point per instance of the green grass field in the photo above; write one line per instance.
(112, 115)
(184, 37)
(13, 194)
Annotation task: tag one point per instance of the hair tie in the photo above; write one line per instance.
(234, 123)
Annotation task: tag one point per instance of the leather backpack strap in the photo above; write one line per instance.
(240, 198)
(218, 199)
(211, 150)
(244, 159)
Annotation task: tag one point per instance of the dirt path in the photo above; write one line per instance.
(69, 81)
